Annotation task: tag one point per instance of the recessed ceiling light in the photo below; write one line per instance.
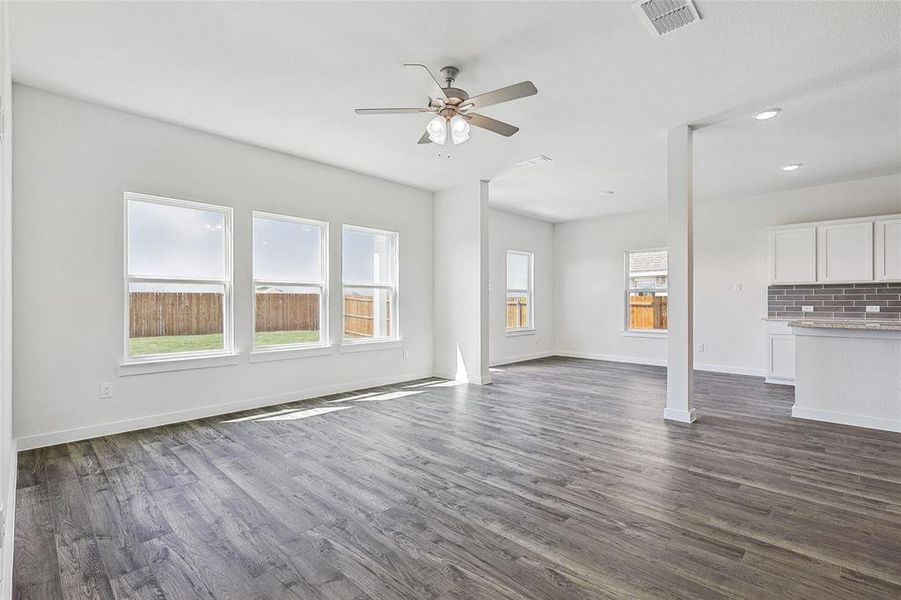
(792, 167)
(606, 192)
(767, 113)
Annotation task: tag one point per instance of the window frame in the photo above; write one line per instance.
(627, 329)
(393, 288)
(322, 284)
(228, 325)
(530, 291)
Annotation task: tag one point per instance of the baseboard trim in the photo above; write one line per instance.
(829, 416)
(780, 381)
(508, 360)
(680, 416)
(661, 362)
(475, 380)
(42, 440)
(635, 360)
(9, 517)
(711, 368)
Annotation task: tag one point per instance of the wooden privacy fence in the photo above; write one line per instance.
(358, 316)
(647, 312)
(287, 312)
(174, 313)
(517, 313)
(153, 314)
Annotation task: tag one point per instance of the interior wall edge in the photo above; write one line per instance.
(9, 520)
(18, 83)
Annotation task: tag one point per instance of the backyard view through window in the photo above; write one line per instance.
(646, 296)
(369, 265)
(289, 281)
(178, 277)
(519, 290)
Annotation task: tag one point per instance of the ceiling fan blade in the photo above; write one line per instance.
(424, 139)
(511, 92)
(490, 124)
(390, 111)
(438, 91)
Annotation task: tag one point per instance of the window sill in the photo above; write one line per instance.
(517, 332)
(269, 354)
(182, 363)
(655, 334)
(347, 347)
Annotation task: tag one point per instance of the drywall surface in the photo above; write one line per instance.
(73, 162)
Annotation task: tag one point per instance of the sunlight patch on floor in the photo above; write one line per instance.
(290, 414)
(388, 396)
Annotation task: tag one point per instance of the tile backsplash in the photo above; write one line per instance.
(835, 302)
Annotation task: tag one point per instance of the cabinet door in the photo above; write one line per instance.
(888, 249)
(793, 255)
(845, 252)
(781, 358)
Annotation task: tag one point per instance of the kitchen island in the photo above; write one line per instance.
(848, 372)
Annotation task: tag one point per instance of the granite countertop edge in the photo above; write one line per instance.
(860, 325)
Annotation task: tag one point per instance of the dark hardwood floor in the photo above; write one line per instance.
(561, 480)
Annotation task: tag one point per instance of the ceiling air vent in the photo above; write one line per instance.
(535, 160)
(664, 16)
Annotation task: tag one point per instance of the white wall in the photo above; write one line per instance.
(73, 162)
(7, 446)
(461, 283)
(513, 232)
(730, 247)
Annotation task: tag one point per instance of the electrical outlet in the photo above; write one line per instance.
(806, 309)
(700, 347)
(106, 390)
(738, 286)
(406, 354)
(872, 308)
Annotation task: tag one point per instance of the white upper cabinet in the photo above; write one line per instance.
(845, 252)
(793, 254)
(888, 249)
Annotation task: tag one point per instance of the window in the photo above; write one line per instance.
(370, 284)
(289, 275)
(519, 291)
(178, 276)
(646, 296)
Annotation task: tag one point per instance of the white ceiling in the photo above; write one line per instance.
(288, 76)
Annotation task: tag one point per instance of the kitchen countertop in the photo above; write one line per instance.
(870, 325)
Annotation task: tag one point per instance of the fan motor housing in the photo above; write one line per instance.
(457, 94)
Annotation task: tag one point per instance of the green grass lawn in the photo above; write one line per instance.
(167, 344)
(274, 338)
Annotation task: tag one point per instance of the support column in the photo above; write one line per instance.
(461, 283)
(680, 336)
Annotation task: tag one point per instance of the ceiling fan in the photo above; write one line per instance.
(453, 108)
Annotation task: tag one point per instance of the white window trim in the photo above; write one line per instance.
(530, 293)
(323, 342)
(168, 360)
(180, 363)
(346, 344)
(628, 331)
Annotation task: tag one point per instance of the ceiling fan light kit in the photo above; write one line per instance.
(453, 109)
